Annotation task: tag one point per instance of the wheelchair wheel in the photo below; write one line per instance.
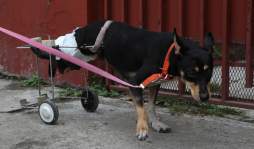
(48, 112)
(89, 100)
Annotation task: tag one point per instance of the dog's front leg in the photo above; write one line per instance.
(156, 124)
(142, 125)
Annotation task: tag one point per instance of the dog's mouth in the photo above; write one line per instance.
(196, 92)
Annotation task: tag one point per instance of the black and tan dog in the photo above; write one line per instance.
(138, 53)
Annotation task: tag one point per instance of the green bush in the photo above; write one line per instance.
(33, 81)
(70, 92)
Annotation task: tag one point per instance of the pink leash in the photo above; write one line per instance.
(67, 57)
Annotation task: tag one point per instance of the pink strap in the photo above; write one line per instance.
(67, 57)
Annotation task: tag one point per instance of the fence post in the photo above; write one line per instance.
(105, 15)
(181, 85)
(86, 74)
(249, 51)
(225, 50)
(141, 13)
(202, 22)
(122, 5)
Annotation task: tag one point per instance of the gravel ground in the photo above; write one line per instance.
(111, 127)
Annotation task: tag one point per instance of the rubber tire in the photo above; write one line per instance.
(89, 100)
(54, 109)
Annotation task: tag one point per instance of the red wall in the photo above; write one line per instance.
(56, 17)
(37, 18)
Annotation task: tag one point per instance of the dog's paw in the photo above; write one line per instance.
(142, 135)
(160, 127)
(142, 131)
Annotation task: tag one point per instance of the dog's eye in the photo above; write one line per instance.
(206, 67)
(196, 69)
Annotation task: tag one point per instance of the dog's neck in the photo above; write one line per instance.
(89, 33)
(174, 68)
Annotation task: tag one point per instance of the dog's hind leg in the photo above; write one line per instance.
(142, 125)
(156, 124)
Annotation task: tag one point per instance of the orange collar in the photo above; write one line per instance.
(166, 63)
(159, 78)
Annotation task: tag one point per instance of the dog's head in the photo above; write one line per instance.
(195, 65)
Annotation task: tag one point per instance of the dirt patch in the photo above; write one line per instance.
(9, 76)
(15, 86)
(29, 144)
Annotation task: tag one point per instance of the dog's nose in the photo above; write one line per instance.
(204, 97)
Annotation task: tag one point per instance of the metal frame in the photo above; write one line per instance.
(43, 97)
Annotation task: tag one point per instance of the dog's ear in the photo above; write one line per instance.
(177, 43)
(209, 42)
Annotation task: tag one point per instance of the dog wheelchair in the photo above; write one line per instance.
(46, 104)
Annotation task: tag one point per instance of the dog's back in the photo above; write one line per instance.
(126, 47)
